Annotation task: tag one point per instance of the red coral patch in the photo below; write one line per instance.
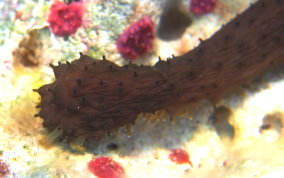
(200, 7)
(105, 167)
(65, 19)
(137, 39)
(4, 170)
(179, 156)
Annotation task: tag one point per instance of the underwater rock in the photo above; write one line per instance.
(173, 21)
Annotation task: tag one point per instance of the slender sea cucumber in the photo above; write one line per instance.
(91, 97)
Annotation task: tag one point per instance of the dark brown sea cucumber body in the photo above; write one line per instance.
(93, 97)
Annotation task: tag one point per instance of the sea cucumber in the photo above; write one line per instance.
(173, 21)
(91, 98)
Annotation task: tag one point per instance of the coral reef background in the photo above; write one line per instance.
(241, 137)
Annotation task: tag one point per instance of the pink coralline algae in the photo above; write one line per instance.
(4, 170)
(179, 156)
(65, 19)
(200, 7)
(105, 167)
(137, 39)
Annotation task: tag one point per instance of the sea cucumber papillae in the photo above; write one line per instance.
(93, 97)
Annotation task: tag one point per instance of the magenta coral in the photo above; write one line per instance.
(105, 167)
(65, 19)
(179, 156)
(4, 169)
(137, 39)
(200, 7)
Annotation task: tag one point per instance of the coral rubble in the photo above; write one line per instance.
(105, 167)
(29, 50)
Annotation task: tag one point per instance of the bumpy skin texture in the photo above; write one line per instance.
(93, 97)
